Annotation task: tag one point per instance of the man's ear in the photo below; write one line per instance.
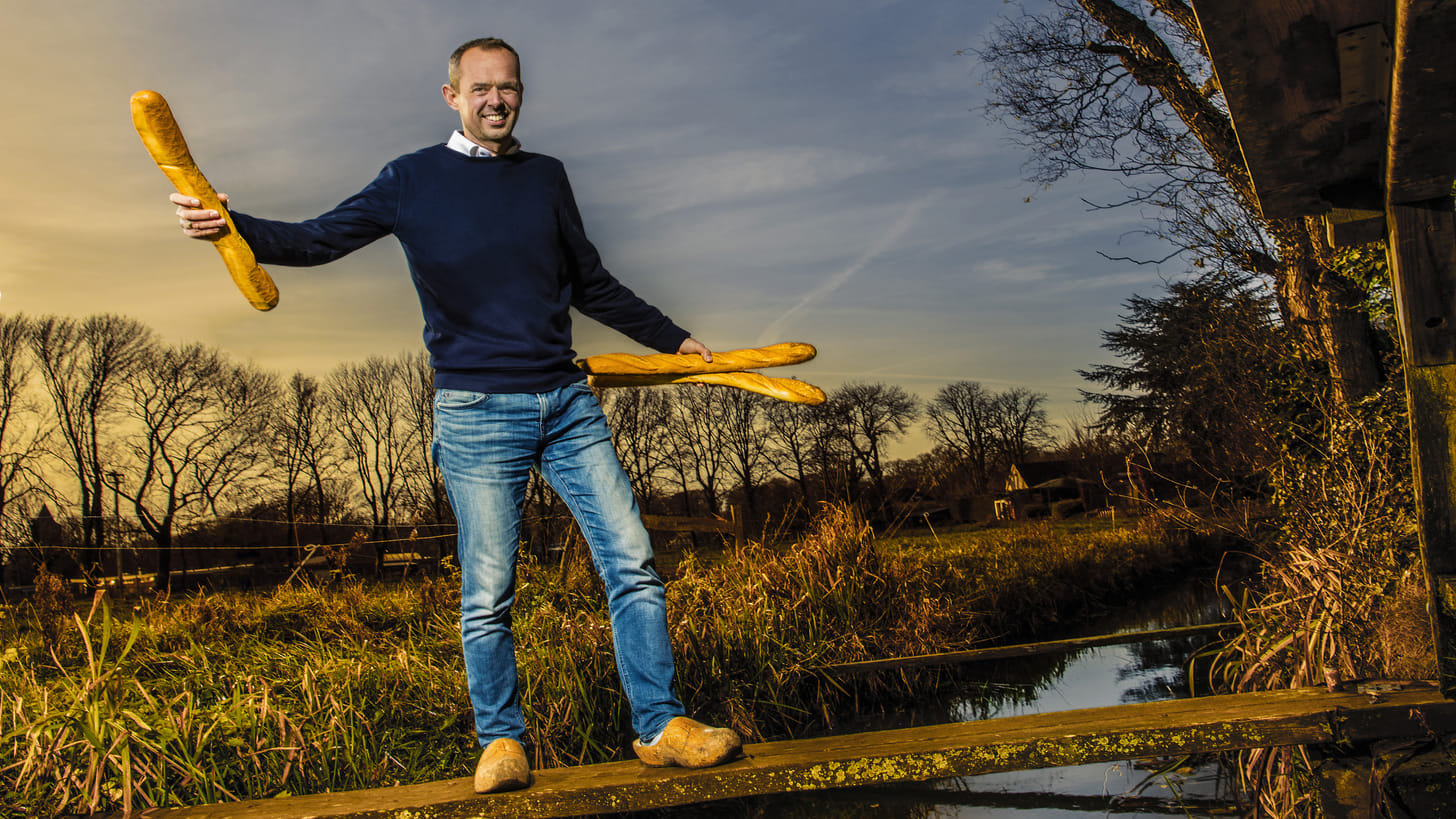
(451, 97)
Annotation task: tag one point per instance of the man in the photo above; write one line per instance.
(497, 252)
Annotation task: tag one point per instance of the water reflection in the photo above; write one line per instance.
(1087, 678)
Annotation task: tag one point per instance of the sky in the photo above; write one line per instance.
(762, 171)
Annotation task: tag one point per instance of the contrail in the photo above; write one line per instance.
(835, 280)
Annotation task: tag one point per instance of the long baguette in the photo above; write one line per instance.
(775, 355)
(784, 389)
(159, 132)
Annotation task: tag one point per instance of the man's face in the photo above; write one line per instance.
(489, 96)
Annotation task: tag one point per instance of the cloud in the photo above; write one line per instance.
(726, 178)
(836, 280)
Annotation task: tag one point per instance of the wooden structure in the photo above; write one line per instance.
(1224, 723)
(673, 523)
(1344, 113)
(981, 655)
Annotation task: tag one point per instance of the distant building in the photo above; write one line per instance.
(1052, 489)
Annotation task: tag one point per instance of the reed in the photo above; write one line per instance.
(223, 696)
(1341, 593)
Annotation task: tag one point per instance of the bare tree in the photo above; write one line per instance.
(1019, 420)
(790, 434)
(23, 430)
(425, 488)
(874, 415)
(745, 443)
(370, 405)
(959, 418)
(1126, 88)
(639, 418)
(833, 451)
(303, 450)
(697, 450)
(200, 429)
(85, 364)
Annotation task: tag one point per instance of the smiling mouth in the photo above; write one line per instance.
(496, 117)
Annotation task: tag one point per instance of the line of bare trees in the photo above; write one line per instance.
(177, 434)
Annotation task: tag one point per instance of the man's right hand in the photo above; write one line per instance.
(197, 222)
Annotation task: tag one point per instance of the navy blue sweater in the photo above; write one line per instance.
(498, 255)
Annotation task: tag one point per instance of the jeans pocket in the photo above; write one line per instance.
(459, 399)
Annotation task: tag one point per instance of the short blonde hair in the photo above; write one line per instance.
(486, 43)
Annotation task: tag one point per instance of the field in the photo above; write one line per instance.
(219, 696)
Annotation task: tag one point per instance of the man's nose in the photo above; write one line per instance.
(493, 98)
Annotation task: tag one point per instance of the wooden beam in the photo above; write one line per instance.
(1025, 649)
(1302, 126)
(1348, 227)
(1421, 160)
(1209, 724)
(1421, 253)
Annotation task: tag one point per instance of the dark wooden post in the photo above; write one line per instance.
(1422, 255)
(1420, 165)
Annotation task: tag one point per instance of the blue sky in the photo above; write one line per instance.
(788, 171)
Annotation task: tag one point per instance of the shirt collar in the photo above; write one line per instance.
(459, 142)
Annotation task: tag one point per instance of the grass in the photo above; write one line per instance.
(223, 696)
(1342, 593)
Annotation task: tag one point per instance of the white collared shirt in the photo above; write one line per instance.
(459, 142)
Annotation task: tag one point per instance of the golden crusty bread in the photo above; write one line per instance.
(784, 389)
(774, 355)
(159, 132)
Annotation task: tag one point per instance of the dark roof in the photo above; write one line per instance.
(1038, 472)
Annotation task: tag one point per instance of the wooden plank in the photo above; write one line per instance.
(1307, 145)
(1022, 650)
(673, 523)
(1349, 227)
(1421, 253)
(1210, 724)
(1421, 162)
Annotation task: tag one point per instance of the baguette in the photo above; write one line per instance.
(776, 355)
(159, 132)
(784, 389)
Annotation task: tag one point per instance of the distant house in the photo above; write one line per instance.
(1052, 488)
(1028, 475)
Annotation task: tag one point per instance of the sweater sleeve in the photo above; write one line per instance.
(367, 215)
(597, 294)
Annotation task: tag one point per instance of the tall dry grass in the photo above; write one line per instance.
(1341, 594)
(225, 696)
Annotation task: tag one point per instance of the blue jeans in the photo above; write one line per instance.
(485, 446)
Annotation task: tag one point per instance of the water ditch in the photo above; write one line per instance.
(1084, 678)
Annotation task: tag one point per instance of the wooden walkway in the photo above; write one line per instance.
(977, 655)
(1176, 727)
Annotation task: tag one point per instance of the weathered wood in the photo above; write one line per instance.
(1431, 393)
(1348, 227)
(1209, 724)
(1421, 152)
(1032, 803)
(671, 523)
(1426, 785)
(1279, 65)
(675, 523)
(1421, 252)
(1022, 650)
(1345, 788)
